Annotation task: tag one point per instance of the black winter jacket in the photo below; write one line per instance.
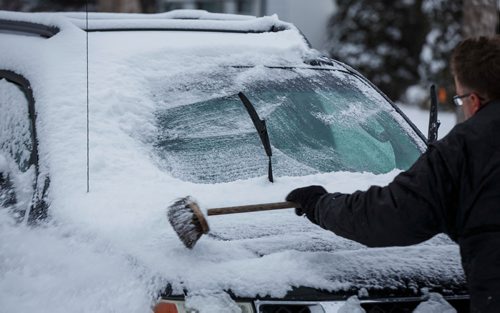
(453, 188)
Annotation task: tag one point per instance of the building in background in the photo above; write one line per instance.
(311, 17)
(125, 6)
(247, 7)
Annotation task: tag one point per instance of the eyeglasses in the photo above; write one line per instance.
(458, 99)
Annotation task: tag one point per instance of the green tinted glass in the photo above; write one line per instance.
(318, 121)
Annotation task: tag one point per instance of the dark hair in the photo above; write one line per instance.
(475, 63)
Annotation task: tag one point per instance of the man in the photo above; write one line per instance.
(453, 188)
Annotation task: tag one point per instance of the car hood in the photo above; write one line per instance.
(260, 254)
(343, 266)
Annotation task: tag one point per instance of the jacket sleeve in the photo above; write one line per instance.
(411, 209)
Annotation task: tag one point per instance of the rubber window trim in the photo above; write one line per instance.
(28, 28)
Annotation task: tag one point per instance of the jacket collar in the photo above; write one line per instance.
(495, 103)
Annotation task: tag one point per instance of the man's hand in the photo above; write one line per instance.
(307, 197)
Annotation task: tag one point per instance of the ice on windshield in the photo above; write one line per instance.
(318, 121)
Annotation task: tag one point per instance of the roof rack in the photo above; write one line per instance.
(170, 15)
(27, 28)
(178, 20)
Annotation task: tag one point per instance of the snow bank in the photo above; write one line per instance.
(421, 119)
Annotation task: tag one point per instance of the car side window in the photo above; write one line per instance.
(7, 193)
(17, 164)
(15, 126)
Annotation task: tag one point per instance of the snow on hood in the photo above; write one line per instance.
(112, 249)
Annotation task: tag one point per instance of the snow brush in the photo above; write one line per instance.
(190, 224)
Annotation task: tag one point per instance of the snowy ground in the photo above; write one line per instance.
(421, 119)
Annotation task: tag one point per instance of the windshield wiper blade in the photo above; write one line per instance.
(260, 126)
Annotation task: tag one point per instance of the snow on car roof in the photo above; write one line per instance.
(177, 19)
(174, 14)
(112, 249)
(271, 34)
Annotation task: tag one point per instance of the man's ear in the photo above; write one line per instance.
(476, 103)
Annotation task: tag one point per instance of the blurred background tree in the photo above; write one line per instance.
(399, 45)
(480, 17)
(380, 38)
(404, 46)
(445, 21)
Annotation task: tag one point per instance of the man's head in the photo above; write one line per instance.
(475, 65)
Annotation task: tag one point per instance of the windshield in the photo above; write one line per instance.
(318, 121)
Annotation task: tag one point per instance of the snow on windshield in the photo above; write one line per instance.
(112, 249)
(318, 121)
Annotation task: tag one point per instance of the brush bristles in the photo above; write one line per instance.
(185, 223)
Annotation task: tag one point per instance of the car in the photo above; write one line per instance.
(107, 119)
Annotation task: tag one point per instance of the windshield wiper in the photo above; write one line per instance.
(260, 126)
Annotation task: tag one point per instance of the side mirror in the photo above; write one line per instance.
(432, 134)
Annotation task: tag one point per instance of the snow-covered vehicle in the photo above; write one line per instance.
(106, 121)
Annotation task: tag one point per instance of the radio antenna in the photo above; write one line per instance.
(87, 63)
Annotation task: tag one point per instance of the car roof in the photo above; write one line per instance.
(48, 24)
(271, 34)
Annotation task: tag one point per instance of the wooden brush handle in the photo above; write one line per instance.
(253, 208)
